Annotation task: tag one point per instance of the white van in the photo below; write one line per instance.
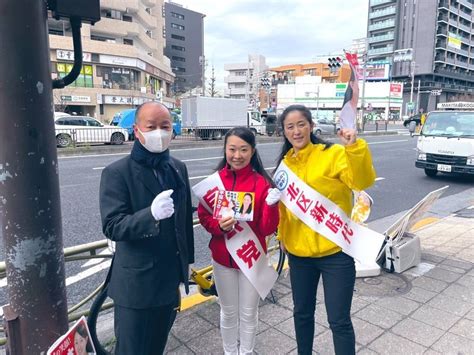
(446, 143)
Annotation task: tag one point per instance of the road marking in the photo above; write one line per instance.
(198, 159)
(96, 260)
(395, 141)
(423, 223)
(99, 168)
(86, 273)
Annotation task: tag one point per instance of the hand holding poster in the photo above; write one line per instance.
(239, 205)
(351, 97)
(77, 341)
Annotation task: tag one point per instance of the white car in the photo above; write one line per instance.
(84, 129)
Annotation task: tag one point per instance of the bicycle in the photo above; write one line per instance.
(202, 278)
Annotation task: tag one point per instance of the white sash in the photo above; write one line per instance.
(242, 243)
(326, 218)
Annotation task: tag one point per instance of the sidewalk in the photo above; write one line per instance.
(426, 310)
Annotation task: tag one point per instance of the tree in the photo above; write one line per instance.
(212, 84)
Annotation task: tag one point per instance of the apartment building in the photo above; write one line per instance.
(123, 61)
(184, 32)
(286, 74)
(438, 35)
(243, 79)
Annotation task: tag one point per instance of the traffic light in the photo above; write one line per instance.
(335, 63)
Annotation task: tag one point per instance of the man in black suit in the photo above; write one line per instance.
(145, 205)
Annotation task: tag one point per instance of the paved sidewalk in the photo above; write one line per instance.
(426, 310)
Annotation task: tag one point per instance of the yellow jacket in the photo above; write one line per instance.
(334, 173)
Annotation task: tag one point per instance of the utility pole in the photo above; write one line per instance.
(202, 60)
(418, 97)
(412, 67)
(29, 184)
(362, 100)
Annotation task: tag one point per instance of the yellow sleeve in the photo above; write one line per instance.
(358, 172)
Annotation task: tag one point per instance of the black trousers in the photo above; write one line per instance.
(338, 272)
(143, 331)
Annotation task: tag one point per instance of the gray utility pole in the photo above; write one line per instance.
(412, 73)
(29, 184)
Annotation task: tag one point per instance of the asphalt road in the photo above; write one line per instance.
(399, 186)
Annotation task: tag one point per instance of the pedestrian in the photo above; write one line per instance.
(145, 206)
(332, 170)
(240, 170)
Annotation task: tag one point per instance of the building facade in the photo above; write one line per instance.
(184, 32)
(243, 79)
(123, 61)
(438, 37)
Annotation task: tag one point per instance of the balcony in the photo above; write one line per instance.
(381, 2)
(465, 3)
(235, 79)
(381, 13)
(379, 51)
(147, 41)
(464, 27)
(443, 17)
(443, 31)
(443, 3)
(235, 91)
(149, 3)
(108, 26)
(148, 20)
(387, 37)
(382, 25)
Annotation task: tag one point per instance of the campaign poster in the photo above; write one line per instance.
(237, 204)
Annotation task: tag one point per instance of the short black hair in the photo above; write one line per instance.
(137, 112)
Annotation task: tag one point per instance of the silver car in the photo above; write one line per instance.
(325, 126)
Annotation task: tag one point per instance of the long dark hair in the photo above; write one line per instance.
(246, 135)
(286, 144)
(249, 208)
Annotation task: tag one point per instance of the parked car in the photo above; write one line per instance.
(84, 129)
(416, 118)
(126, 120)
(325, 126)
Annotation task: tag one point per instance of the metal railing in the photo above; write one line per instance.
(78, 135)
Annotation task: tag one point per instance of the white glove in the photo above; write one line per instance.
(162, 206)
(273, 196)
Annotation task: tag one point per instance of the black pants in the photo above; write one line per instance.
(338, 272)
(143, 331)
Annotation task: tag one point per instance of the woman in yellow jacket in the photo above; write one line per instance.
(333, 170)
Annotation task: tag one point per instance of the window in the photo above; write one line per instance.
(176, 26)
(119, 78)
(128, 41)
(178, 48)
(180, 69)
(93, 123)
(102, 38)
(84, 79)
(178, 59)
(179, 38)
(127, 18)
(176, 15)
(112, 14)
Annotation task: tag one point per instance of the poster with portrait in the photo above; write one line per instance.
(77, 341)
(237, 204)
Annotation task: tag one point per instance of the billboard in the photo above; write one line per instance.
(454, 40)
(375, 72)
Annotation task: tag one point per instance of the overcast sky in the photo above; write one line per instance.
(285, 32)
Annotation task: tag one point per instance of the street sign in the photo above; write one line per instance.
(410, 105)
(436, 92)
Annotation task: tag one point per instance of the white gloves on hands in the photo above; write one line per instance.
(162, 206)
(273, 196)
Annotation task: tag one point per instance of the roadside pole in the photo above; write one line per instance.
(29, 183)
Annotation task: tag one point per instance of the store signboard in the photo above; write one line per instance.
(69, 55)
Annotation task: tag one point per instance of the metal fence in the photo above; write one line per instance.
(74, 136)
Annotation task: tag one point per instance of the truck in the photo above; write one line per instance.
(126, 120)
(446, 143)
(212, 117)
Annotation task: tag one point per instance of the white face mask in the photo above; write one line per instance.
(156, 141)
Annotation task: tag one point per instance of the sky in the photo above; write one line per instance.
(285, 32)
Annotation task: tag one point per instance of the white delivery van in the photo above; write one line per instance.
(446, 143)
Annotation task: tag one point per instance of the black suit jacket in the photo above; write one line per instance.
(148, 265)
